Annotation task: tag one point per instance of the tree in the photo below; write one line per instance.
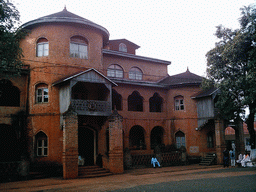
(10, 35)
(231, 65)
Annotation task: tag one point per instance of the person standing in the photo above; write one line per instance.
(232, 158)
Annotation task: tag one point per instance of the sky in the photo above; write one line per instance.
(179, 31)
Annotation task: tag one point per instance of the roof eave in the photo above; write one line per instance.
(132, 56)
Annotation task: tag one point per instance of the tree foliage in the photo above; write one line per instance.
(231, 65)
(10, 35)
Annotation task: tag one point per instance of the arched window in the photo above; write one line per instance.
(42, 93)
(155, 103)
(137, 138)
(78, 47)
(9, 94)
(42, 47)
(135, 102)
(180, 139)
(41, 144)
(135, 73)
(210, 139)
(179, 103)
(116, 100)
(156, 137)
(122, 47)
(115, 71)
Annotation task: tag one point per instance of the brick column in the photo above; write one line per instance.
(220, 139)
(70, 145)
(116, 162)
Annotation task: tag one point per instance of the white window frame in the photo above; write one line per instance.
(43, 147)
(79, 50)
(42, 49)
(135, 73)
(115, 71)
(179, 105)
(43, 95)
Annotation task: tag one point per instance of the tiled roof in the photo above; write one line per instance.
(182, 79)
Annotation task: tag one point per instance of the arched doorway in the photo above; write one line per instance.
(87, 144)
(137, 138)
(156, 137)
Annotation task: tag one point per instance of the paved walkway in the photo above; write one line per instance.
(130, 178)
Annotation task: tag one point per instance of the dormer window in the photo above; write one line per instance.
(42, 48)
(78, 47)
(122, 47)
(135, 73)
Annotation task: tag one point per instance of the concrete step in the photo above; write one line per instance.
(92, 171)
(208, 160)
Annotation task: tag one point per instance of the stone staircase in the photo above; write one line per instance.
(92, 171)
(209, 159)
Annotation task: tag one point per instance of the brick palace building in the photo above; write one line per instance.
(82, 94)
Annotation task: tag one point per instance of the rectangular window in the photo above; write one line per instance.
(42, 95)
(42, 147)
(180, 141)
(179, 104)
(78, 50)
(42, 49)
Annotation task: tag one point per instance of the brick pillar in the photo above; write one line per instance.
(70, 145)
(116, 162)
(220, 139)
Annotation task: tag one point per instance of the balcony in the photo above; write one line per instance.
(91, 107)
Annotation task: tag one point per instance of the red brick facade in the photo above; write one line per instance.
(156, 109)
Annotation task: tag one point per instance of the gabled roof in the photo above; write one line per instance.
(70, 77)
(186, 78)
(65, 16)
(126, 41)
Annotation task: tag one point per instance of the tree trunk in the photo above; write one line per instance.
(250, 127)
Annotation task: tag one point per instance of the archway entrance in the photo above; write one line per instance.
(87, 144)
(156, 137)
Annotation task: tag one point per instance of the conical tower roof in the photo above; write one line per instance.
(65, 16)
